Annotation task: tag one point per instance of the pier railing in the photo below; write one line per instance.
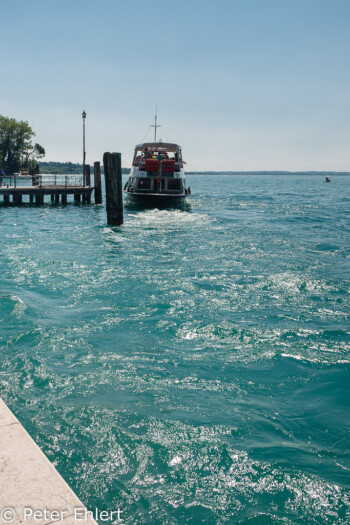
(44, 180)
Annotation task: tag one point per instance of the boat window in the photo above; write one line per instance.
(145, 184)
(136, 159)
(174, 184)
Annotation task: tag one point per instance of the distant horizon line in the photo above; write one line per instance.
(269, 172)
(230, 172)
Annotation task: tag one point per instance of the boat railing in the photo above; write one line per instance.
(152, 165)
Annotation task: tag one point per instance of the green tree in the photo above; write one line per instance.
(16, 146)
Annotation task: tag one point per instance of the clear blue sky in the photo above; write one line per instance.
(240, 84)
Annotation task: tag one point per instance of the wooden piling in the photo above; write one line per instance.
(52, 197)
(31, 198)
(17, 198)
(87, 175)
(64, 198)
(113, 180)
(57, 198)
(76, 197)
(97, 183)
(7, 199)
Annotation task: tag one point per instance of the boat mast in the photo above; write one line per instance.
(155, 126)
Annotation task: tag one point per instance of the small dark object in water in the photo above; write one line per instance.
(327, 179)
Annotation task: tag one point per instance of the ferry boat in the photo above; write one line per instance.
(157, 175)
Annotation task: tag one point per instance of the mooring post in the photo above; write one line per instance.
(97, 183)
(87, 175)
(113, 180)
(17, 198)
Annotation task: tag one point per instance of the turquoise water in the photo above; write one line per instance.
(191, 366)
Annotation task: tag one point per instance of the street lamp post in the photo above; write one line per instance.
(1, 138)
(84, 152)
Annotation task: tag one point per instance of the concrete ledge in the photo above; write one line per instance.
(29, 482)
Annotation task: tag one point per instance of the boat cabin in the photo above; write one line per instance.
(146, 157)
(157, 167)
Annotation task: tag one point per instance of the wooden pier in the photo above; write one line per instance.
(56, 189)
(37, 195)
(16, 190)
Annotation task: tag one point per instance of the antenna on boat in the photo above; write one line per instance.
(155, 126)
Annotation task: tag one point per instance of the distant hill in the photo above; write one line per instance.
(61, 167)
(66, 168)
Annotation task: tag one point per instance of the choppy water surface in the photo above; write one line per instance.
(191, 366)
